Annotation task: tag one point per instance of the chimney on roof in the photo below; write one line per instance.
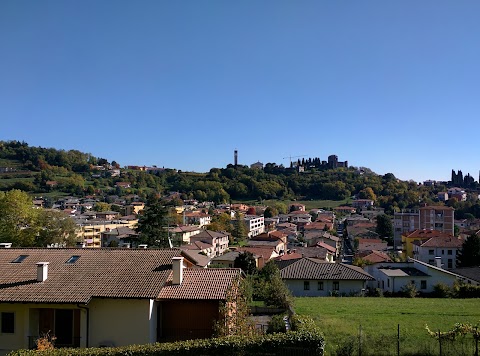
(177, 267)
(438, 262)
(42, 271)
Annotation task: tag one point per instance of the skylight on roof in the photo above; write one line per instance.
(20, 259)
(72, 259)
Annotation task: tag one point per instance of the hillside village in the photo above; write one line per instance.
(174, 287)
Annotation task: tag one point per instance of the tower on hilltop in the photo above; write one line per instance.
(235, 157)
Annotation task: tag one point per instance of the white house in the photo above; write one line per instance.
(255, 225)
(435, 249)
(310, 277)
(394, 276)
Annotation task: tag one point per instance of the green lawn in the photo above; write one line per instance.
(340, 320)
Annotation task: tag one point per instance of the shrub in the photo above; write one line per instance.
(410, 291)
(276, 325)
(441, 290)
(310, 342)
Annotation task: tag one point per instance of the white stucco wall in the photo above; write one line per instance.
(434, 276)
(26, 324)
(120, 322)
(345, 287)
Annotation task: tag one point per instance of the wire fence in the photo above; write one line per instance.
(402, 342)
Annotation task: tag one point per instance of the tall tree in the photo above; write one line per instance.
(384, 226)
(152, 225)
(18, 219)
(239, 232)
(55, 227)
(469, 255)
(246, 261)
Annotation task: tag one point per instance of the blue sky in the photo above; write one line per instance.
(389, 85)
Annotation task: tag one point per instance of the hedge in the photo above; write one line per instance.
(292, 342)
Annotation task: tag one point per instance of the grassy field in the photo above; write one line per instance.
(341, 318)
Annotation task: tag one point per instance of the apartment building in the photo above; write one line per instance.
(255, 225)
(440, 218)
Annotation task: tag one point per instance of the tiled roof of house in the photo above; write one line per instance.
(375, 256)
(261, 251)
(327, 247)
(201, 284)
(426, 234)
(310, 268)
(210, 234)
(443, 241)
(469, 272)
(109, 273)
(197, 257)
(314, 252)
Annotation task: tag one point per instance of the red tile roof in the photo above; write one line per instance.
(427, 234)
(201, 284)
(310, 268)
(108, 273)
(443, 241)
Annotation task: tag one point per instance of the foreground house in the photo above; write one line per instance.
(394, 277)
(106, 297)
(310, 277)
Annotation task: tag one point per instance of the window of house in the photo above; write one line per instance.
(450, 263)
(449, 252)
(388, 283)
(336, 285)
(7, 323)
(443, 252)
(431, 252)
(431, 262)
(306, 285)
(320, 285)
(19, 259)
(423, 284)
(72, 259)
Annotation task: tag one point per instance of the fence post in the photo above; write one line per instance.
(440, 342)
(476, 341)
(360, 341)
(398, 340)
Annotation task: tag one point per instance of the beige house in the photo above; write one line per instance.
(106, 297)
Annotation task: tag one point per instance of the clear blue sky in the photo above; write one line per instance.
(389, 85)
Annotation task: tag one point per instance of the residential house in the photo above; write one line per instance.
(394, 277)
(420, 235)
(219, 240)
(107, 215)
(228, 259)
(310, 277)
(123, 185)
(345, 210)
(373, 256)
(106, 297)
(120, 237)
(182, 234)
(457, 193)
(471, 274)
(443, 248)
(262, 254)
(196, 218)
(362, 203)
